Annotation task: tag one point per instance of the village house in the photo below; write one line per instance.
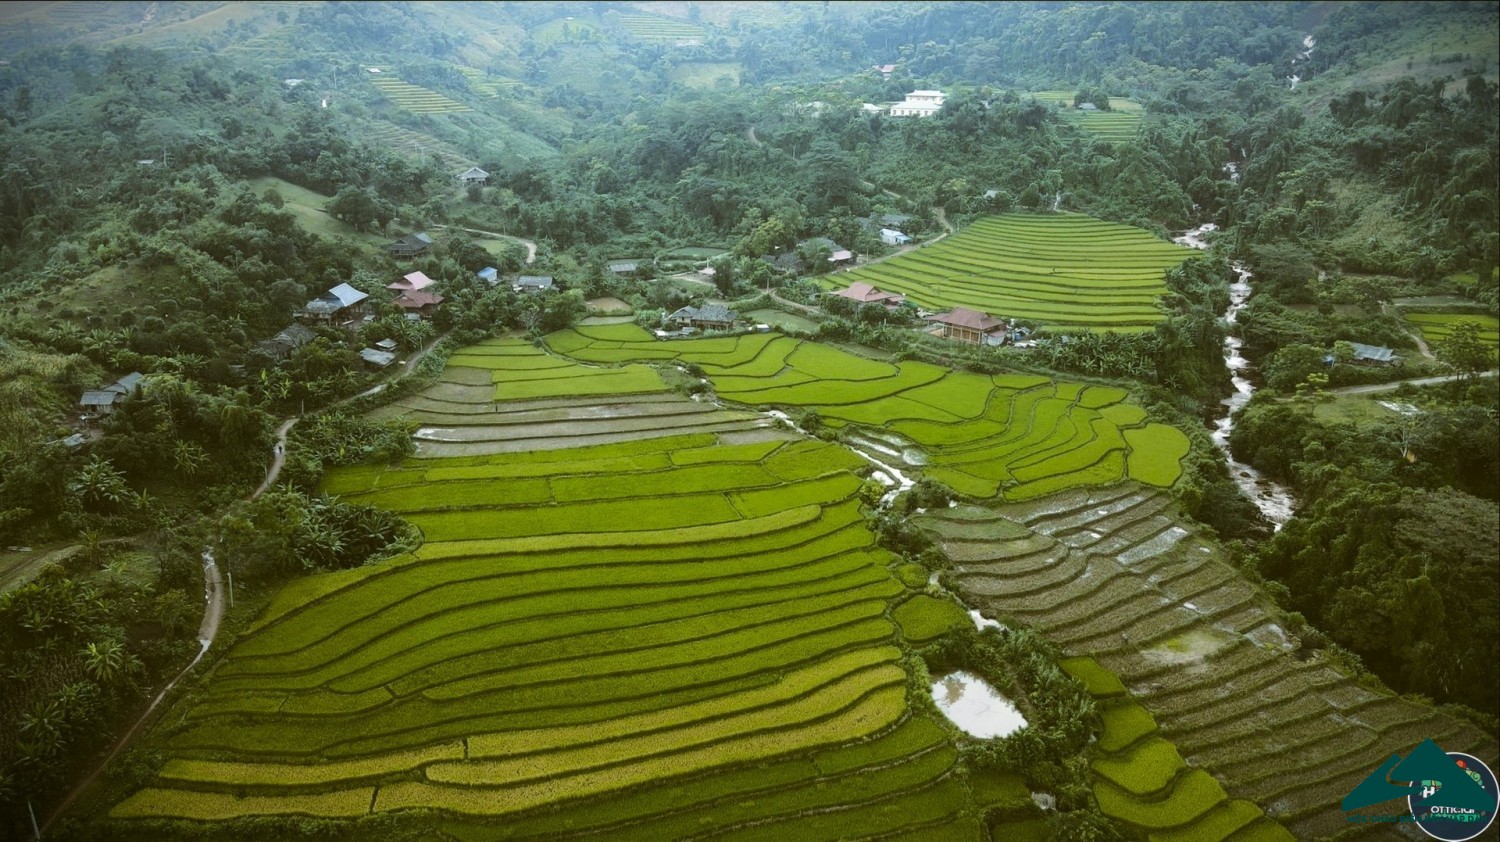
(98, 401)
(420, 302)
(377, 359)
(837, 254)
(340, 304)
(102, 401)
(474, 175)
(892, 237)
(280, 346)
(410, 283)
(885, 70)
(864, 293)
(624, 267)
(919, 104)
(707, 317)
(412, 245)
(963, 325)
(489, 275)
(533, 283)
(1369, 355)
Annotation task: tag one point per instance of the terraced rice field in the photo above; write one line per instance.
(678, 634)
(414, 144)
(484, 84)
(652, 28)
(415, 98)
(1117, 125)
(1064, 271)
(1011, 436)
(1114, 575)
(1143, 781)
(1437, 327)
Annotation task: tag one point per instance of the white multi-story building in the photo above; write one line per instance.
(919, 104)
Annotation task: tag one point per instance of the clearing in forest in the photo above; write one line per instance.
(1064, 271)
(1117, 125)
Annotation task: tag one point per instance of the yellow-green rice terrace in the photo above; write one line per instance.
(636, 614)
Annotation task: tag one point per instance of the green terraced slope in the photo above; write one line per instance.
(1064, 271)
(1115, 575)
(680, 632)
(1011, 436)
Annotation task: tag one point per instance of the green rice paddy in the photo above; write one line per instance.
(674, 630)
(1141, 779)
(1064, 271)
(415, 98)
(578, 622)
(652, 28)
(1437, 327)
(1117, 125)
(1009, 436)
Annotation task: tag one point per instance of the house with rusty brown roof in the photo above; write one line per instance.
(964, 325)
(864, 293)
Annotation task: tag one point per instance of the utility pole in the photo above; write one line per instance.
(36, 831)
(230, 574)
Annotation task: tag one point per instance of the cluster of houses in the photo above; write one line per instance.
(343, 304)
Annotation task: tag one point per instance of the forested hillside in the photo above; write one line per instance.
(178, 180)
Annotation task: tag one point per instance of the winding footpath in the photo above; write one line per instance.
(215, 593)
(530, 246)
(1416, 335)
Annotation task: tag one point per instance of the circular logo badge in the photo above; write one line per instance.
(1455, 824)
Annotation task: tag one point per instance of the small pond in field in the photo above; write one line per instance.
(975, 706)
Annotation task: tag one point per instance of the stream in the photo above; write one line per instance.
(1274, 500)
(1308, 43)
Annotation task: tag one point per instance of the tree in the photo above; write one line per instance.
(1464, 353)
(358, 207)
(1291, 366)
(99, 485)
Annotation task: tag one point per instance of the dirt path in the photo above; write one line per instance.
(278, 458)
(18, 569)
(530, 246)
(1416, 335)
(214, 594)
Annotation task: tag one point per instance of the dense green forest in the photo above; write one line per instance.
(169, 199)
